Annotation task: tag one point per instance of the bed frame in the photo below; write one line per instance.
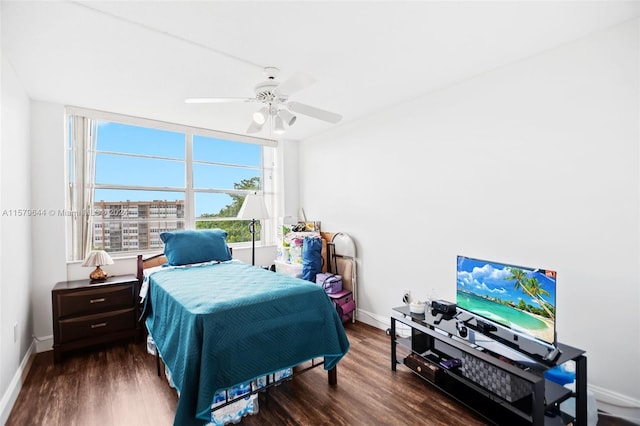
(332, 374)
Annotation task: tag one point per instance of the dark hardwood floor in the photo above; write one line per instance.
(118, 385)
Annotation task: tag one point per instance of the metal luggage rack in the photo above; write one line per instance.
(345, 248)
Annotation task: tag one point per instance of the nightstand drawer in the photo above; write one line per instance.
(95, 300)
(86, 314)
(95, 325)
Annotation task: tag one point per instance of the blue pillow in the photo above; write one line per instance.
(188, 246)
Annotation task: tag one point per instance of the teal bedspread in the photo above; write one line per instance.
(223, 324)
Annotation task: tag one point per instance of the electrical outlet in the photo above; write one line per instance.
(15, 332)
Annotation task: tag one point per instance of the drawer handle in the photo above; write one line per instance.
(101, 324)
(100, 300)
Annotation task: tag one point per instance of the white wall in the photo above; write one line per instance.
(48, 194)
(535, 164)
(15, 238)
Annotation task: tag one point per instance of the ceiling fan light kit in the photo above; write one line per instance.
(254, 127)
(260, 116)
(274, 97)
(287, 117)
(278, 125)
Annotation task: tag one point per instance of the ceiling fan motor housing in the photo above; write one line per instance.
(265, 90)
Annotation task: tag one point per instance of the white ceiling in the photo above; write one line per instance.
(144, 58)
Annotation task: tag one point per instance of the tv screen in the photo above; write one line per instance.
(522, 299)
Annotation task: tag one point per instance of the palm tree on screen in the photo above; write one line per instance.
(537, 292)
(531, 286)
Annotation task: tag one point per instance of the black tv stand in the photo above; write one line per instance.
(431, 345)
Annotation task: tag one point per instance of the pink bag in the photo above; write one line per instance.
(344, 303)
(330, 282)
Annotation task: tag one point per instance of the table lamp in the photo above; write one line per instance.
(98, 258)
(253, 209)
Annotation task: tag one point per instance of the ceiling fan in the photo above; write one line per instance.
(274, 97)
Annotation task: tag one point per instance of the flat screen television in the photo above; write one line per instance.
(519, 298)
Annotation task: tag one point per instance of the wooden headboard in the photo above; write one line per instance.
(155, 260)
(150, 262)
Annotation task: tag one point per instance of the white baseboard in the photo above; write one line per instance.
(10, 396)
(374, 320)
(618, 405)
(44, 343)
(381, 322)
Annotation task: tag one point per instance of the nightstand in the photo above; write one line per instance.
(86, 314)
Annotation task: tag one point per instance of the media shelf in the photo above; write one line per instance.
(539, 400)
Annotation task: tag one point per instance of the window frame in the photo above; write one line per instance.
(266, 173)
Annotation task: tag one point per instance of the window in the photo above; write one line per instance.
(131, 179)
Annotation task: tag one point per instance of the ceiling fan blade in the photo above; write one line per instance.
(314, 112)
(216, 100)
(293, 84)
(254, 127)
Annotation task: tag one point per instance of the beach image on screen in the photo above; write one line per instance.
(523, 299)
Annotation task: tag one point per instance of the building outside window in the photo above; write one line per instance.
(131, 179)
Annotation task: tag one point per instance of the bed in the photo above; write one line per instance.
(219, 324)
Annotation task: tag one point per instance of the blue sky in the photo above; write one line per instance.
(488, 279)
(170, 172)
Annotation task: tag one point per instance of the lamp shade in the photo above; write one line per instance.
(253, 208)
(98, 258)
